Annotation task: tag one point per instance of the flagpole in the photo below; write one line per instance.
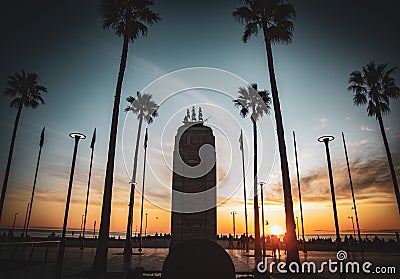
(244, 191)
(34, 181)
(88, 186)
(144, 173)
(352, 190)
(298, 186)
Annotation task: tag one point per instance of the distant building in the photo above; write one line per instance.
(194, 195)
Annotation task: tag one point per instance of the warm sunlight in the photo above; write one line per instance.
(276, 230)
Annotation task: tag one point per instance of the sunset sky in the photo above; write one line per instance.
(195, 56)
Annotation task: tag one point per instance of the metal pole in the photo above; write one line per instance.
(34, 180)
(244, 191)
(61, 248)
(328, 158)
(234, 224)
(262, 217)
(80, 232)
(298, 187)
(352, 190)
(94, 229)
(145, 228)
(141, 209)
(88, 187)
(26, 218)
(298, 230)
(352, 223)
(15, 218)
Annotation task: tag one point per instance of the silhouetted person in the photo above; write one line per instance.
(230, 241)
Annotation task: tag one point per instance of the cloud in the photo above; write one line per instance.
(365, 128)
(323, 123)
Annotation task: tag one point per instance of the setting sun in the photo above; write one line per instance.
(276, 230)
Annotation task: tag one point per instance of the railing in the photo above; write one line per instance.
(17, 258)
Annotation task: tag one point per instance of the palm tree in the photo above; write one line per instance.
(26, 91)
(145, 109)
(275, 19)
(374, 86)
(256, 104)
(128, 18)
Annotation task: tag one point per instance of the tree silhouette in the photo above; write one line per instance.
(128, 18)
(374, 86)
(26, 92)
(255, 104)
(145, 109)
(275, 19)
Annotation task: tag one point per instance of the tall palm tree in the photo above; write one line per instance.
(374, 86)
(255, 104)
(128, 18)
(26, 92)
(275, 19)
(145, 109)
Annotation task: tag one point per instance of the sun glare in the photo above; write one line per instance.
(276, 230)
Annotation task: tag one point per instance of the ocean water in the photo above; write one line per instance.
(44, 233)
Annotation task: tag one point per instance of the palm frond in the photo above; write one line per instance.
(374, 86)
(128, 18)
(25, 90)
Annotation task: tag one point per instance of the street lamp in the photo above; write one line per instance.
(326, 140)
(262, 216)
(15, 218)
(61, 248)
(80, 232)
(145, 228)
(234, 224)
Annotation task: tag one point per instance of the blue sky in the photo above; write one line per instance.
(78, 62)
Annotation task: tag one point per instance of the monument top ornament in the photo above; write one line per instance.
(192, 119)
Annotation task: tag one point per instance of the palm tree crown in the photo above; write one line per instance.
(251, 100)
(25, 90)
(273, 16)
(143, 106)
(128, 17)
(374, 85)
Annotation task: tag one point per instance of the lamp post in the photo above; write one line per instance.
(352, 223)
(262, 216)
(234, 223)
(61, 247)
(145, 227)
(15, 218)
(326, 140)
(80, 232)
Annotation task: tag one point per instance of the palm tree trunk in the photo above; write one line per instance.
(389, 156)
(10, 155)
(257, 244)
(128, 239)
(100, 260)
(291, 241)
